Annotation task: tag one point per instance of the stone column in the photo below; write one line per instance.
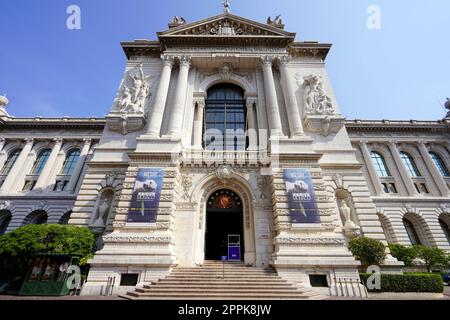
(295, 122)
(437, 176)
(11, 179)
(42, 181)
(177, 113)
(157, 112)
(198, 123)
(251, 125)
(79, 167)
(273, 110)
(3, 155)
(373, 174)
(406, 177)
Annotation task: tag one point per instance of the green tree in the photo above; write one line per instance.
(433, 257)
(406, 254)
(368, 251)
(18, 247)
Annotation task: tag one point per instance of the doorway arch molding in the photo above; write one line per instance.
(211, 183)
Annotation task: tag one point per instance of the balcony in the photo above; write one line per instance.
(216, 157)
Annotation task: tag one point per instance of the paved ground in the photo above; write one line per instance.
(81, 298)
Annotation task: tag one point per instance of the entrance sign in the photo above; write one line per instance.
(234, 247)
(146, 195)
(301, 196)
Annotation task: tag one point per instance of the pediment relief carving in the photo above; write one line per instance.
(226, 25)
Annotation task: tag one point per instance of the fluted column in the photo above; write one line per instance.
(177, 113)
(198, 123)
(373, 174)
(406, 177)
(437, 176)
(251, 127)
(12, 177)
(3, 155)
(79, 167)
(273, 110)
(295, 122)
(157, 112)
(42, 181)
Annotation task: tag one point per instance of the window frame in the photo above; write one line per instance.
(410, 164)
(9, 164)
(380, 165)
(40, 162)
(72, 164)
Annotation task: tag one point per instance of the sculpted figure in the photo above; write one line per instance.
(133, 98)
(317, 102)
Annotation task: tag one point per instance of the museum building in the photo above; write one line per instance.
(227, 131)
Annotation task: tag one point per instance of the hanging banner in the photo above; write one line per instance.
(146, 195)
(301, 197)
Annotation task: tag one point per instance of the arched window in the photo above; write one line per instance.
(445, 228)
(380, 165)
(411, 231)
(5, 219)
(410, 165)
(10, 161)
(71, 161)
(65, 218)
(440, 164)
(37, 217)
(225, 118)
(40, 162)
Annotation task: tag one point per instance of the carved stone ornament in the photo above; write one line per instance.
(3, 103)
(338, 180)
(226, 28)
(224, 173)
(292, 240)
(263, 184)
(134, 97)
(5, 205)
(177, 21)
(125, 124)
(316, 101)
(137, 238)
(110, 178)
(277, 22)
(186, 182)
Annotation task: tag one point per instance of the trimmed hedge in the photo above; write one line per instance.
(408, 282)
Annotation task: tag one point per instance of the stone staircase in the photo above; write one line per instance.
(207, 283)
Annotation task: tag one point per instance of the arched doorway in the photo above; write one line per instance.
(224, 217)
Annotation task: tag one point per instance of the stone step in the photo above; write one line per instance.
(203, 269)
(227, 274)
(208, 295)
(218, 283)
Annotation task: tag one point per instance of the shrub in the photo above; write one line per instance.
(433, 257)
(408, 282)
(18, 247)
(406, 254)
(368, 251)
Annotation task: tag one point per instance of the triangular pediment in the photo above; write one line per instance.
(226, 25)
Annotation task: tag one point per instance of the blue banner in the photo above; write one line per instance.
(146, 195)
(301, 196)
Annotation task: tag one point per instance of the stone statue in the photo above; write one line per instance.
(350, 228)
(317, 102)
(3, 103)
(226, 6)
(103, 211)
(276, 22)
(177, 21)
(133, 98)
(447, 106)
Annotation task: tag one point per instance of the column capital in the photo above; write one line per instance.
(87, 141)
(28, 140)
(392, 142)
(184, 61)
(58, 141)
(363, 141)
(251, 101)
(267, 60)
(167, 60)
(283, 60)
(200, 103)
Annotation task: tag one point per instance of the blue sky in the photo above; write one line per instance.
(398, 72)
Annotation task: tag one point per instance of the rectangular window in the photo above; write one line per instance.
(129, 279)
(318, 280)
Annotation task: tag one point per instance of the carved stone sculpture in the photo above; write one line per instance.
(133, 98)
(350, 228)
(3, 103)
(178, 21)
(275, 22)
(316, 101)
(447, 106)
(103, 210)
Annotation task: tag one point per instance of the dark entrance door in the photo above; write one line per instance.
(223, 217)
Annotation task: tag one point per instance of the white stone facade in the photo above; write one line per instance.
(292, 121)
